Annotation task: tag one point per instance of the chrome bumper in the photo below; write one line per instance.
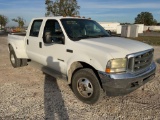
(124, 83)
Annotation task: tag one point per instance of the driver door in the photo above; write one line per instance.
(54, 51)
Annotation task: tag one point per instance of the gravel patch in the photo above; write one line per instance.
(28, 94)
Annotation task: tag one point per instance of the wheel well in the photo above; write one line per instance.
(23, 61)
(79, 65)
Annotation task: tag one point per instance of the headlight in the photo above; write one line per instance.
(116, 65)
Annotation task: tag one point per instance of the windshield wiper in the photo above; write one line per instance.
(102, 35)
(76, 38)
(98, 36)
(81, 37)
(87, 36)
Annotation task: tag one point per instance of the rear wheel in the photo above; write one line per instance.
(23, 62)
(86, 87)
(16, 62)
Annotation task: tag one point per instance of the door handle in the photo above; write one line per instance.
(27, 42)
(40, 44)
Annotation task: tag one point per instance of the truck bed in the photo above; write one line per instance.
(20, 33)
(17, 41)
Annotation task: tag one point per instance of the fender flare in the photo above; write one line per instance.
(12, 46)
(82, 58)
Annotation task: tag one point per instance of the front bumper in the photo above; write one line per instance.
(124, 83)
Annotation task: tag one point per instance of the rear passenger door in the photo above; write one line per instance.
(33, 42)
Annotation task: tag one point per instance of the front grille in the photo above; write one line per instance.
(139, 61)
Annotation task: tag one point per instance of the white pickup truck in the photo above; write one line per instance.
(82, 52)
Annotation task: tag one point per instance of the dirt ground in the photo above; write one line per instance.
(27, 94)
(151, 33)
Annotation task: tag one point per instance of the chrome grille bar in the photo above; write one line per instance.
(139, 61)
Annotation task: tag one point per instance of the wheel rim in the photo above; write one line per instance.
(12, 59)
(85, 87)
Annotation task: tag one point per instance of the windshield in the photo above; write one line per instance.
(78, 29)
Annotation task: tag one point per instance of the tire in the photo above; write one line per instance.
(86, 86)
(23, 62)
(16, 62)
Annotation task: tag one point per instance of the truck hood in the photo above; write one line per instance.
(115, 46)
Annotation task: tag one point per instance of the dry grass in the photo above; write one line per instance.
(152, 40)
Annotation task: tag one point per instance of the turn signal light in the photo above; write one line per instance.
(108, 70)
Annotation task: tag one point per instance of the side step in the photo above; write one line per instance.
(48, 70)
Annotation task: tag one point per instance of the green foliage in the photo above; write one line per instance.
(62, 7)
(20, 21)
(145, 18)
(3, 20)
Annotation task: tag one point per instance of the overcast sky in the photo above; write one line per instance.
(99, 10)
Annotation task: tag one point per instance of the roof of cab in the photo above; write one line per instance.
(58, 17)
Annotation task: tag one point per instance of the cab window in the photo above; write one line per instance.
(53, 30)
(35, 28)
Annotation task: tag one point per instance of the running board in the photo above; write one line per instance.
(47, 70)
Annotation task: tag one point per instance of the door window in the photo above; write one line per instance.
(54, 31)
(35, 28)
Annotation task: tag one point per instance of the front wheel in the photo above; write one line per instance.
(86, 87)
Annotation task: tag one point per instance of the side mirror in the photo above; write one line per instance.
(59, 39)
(63, 39)
(47, 37)
(58, 31)
(109, 32)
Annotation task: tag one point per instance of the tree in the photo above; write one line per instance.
(3, 20)
(154, 22)
(62, 8)
(145, 18)
(20, 21)
(158, 24)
